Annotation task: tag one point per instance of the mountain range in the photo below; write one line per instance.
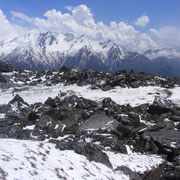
(50, 50)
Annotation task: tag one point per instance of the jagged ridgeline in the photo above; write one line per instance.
(100, 125)
(47, 51)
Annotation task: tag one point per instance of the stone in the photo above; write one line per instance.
(171, 175)
(44, 121)
(127, 131)
(175, 118)
(17, 132)
(167, 141)
(5, 66)
(127, 171)
(99, 121)
(64, 145)
(32, 116)
(19, 101)
(93, 153)
(56, 129)
(3, 79)
(160, 106)
(50, 102)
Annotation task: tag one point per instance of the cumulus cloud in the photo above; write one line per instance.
(7, 29)
(167, 36)
(79, 20)
(142, 21)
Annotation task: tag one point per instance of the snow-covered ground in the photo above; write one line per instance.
(175, 97)
(33, 160)
(132, 96)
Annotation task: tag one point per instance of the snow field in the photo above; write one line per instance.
(33, 160)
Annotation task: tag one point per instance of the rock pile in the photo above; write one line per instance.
(89, 127)
(103, 80)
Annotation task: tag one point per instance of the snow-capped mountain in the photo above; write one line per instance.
(52, 50)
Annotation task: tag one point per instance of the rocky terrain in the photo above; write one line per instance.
(119, 125)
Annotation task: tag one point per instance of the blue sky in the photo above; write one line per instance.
(158, 20)
(161, 12)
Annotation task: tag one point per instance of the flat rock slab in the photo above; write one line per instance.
(99, 121)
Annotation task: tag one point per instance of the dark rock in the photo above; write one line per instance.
(136, 84)
(108, 103)
(175, 118)
(167, 141)
(16, 117)
(44, 121)
(55, 113)
(178, 126)
(106, 87)
(124, 118)
(99, 121)
(134, 119)
(4, 108)
(50, 102)
(64, 145)
(56, 129)
(17, 132)
(160, 106)
(129, 172)
(155, 173)
(5, 66)
(3, 79)
(141, 108)
(93, 153)
(171, 175)
(32, 116)
(19, 101)
(127, 131)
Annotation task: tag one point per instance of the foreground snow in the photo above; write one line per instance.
(30, 160)
(175, 97)
(122, 96)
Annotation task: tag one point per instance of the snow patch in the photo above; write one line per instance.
(122, 96)
(21, 159)
(2, 115)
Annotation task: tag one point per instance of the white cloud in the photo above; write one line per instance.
(80, 21)
(7, 29)
(21, 16)
(142, 21)
(167, 36)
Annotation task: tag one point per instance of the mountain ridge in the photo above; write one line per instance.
(52, 50)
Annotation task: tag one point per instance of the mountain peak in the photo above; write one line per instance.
(51, 50)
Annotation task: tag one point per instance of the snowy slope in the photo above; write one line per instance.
(52, 42)
(132, 96)
(50, 50)
(33, 160)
